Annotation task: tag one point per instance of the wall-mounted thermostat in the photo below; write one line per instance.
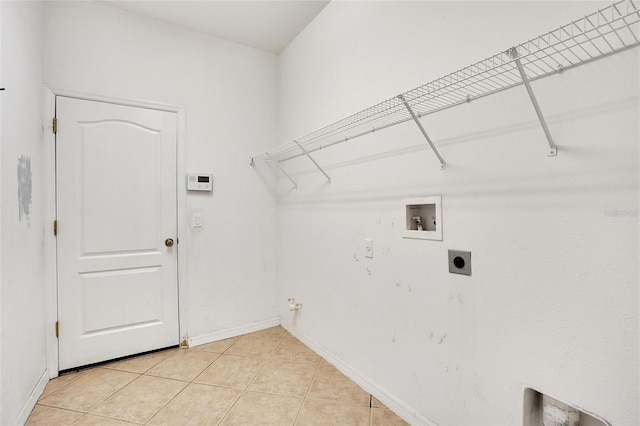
(199, 182)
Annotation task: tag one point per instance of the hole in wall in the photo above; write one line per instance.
(543, 410)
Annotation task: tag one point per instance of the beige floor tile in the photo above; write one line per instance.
(258, 345)
(325, 362)
(330, 384)
(293, 349)
(140, 400)
(376, 403)
(274, 370)
(272, 331)
(50, 416)
(386, 417)
(61, 381)
(284, 377)
(89, 390)
(184, 364)
(218, 347)
(316, 412)
(255, 408)
(231, 371)
(140, 364)
(92, 420)
(197, 405)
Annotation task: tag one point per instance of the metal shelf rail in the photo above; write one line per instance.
(596, 35)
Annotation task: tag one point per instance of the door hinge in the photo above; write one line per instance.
(55, 228)
(55, 125)
(57, 329)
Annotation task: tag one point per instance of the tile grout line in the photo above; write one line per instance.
(370, 410)
(108, 367)
(128, 384)
(95, 405)
(184, 388)
(266, 361)
(206, 368)
(168, 402)
(122, 388)
(102, 416)
(98, 403)
(241, 392)
(280, 339)
(63, 386)
(82, 414)
(173, 351)
(306, 394)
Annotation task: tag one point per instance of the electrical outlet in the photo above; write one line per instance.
(368, 248)
(460, 262)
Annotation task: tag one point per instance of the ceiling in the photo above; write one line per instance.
(268, 25)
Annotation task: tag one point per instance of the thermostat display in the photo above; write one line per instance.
(199, 182)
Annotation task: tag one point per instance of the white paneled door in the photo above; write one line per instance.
(117, 230)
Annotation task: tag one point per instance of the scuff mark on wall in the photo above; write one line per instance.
(24, 187)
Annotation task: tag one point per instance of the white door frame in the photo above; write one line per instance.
(51, 287)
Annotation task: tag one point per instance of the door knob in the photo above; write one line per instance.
(168, 242)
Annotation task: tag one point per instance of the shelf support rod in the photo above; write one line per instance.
(424, 133)
(513, 53)
(295, 185)
(304, 151)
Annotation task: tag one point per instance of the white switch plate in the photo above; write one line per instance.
(368, 248)
(197, 220)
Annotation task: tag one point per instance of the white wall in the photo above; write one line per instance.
(23, 351)
(1, 116)
(553, 299)
(229, 94)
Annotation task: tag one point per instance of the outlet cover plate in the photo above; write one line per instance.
(460, 262)
(368, 248)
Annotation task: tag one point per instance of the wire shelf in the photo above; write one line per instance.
(599, 34)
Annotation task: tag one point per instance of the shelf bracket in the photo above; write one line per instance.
(513, 53)
(295, 185)
(424, 133)
(304, 151)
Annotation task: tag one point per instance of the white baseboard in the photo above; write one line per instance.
(403, 410)
(33, 399)
(233, 332)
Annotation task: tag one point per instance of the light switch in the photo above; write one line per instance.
(197, 220)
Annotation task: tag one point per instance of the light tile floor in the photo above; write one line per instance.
(263, 378)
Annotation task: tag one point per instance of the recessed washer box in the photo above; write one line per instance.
(422, 218)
